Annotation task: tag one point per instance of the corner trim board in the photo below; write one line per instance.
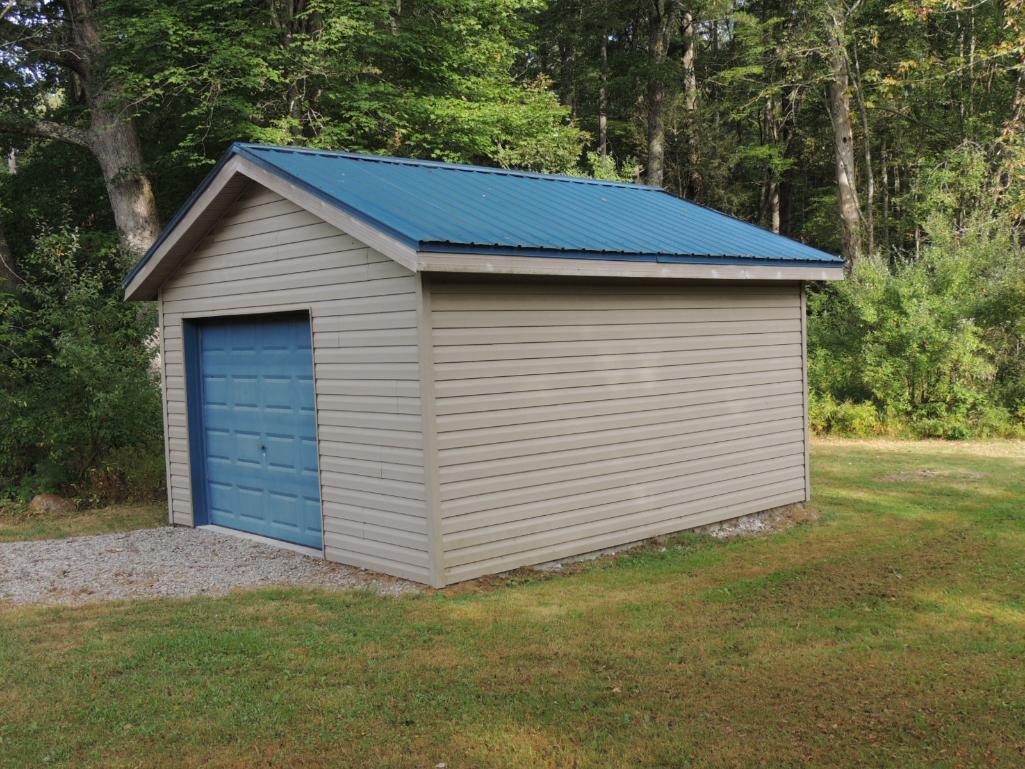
(163, 409)
(429, 427)
(316, 429)
(806, 396)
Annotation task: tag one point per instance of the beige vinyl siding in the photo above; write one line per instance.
(267, 254)
(575, 417)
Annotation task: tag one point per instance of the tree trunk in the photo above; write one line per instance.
(870, 182)
(116, 146)
(772, 204)
(789, 108)
(603, 99)
(568, 65)
(886, 194)
(659, 24)
(843, 139)
(8, 275)
(770, 192)
(690, 104)
(111, 137)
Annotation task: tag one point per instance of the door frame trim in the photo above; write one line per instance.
(191, 325)
(194, 420)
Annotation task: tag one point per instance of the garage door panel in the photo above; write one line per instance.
(256, 405)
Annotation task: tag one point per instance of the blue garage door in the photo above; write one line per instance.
(258, 426)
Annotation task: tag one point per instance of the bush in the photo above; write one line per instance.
(850, 420)
(135, 474)
(79, 399)
(931, 344)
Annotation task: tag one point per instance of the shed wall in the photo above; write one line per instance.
(572, 420)
(265, 255)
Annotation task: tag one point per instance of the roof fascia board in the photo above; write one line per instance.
(525, 265)
(187, 228)
(614, 256)
(330, 212)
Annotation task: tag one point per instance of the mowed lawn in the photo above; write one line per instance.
(890, 633)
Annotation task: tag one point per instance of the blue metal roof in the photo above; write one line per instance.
(434, 206)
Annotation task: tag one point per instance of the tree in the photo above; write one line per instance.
(424, 78)
(843, 132)
(690, 101)
(59, 56)
(662, 16)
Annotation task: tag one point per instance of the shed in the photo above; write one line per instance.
(441, 371)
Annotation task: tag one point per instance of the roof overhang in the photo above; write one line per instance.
(497, 264)
(226, 181)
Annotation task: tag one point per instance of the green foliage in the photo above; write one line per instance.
(847, 419)
(433, 79)
(78, 395)
(934, 342)
(607, 169)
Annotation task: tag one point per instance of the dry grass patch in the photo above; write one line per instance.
(1002, 449)
(17, 525)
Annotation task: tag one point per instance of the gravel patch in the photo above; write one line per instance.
(165, 562)
(765, 522)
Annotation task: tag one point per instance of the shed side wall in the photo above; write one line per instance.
(573, 420)
(266, 255)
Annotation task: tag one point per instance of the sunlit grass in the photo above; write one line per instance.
(889, 633)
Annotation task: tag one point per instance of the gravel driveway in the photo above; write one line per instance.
(153, 563)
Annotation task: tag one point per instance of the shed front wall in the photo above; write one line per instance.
(574, 417)
(266, 255)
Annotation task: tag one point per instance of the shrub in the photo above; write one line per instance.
(77, 390)
(847, 419)
(932, 343)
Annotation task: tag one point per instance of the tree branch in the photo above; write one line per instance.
(18, 36)
(45, 129)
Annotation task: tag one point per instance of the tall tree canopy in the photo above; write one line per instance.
(798, 114)
(890, 130)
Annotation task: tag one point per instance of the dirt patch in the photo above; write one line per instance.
(926, 474)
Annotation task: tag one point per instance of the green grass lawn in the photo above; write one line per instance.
(22, 525)
(890, 633)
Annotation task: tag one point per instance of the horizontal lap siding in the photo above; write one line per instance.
(568, 421)
(265, 255)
